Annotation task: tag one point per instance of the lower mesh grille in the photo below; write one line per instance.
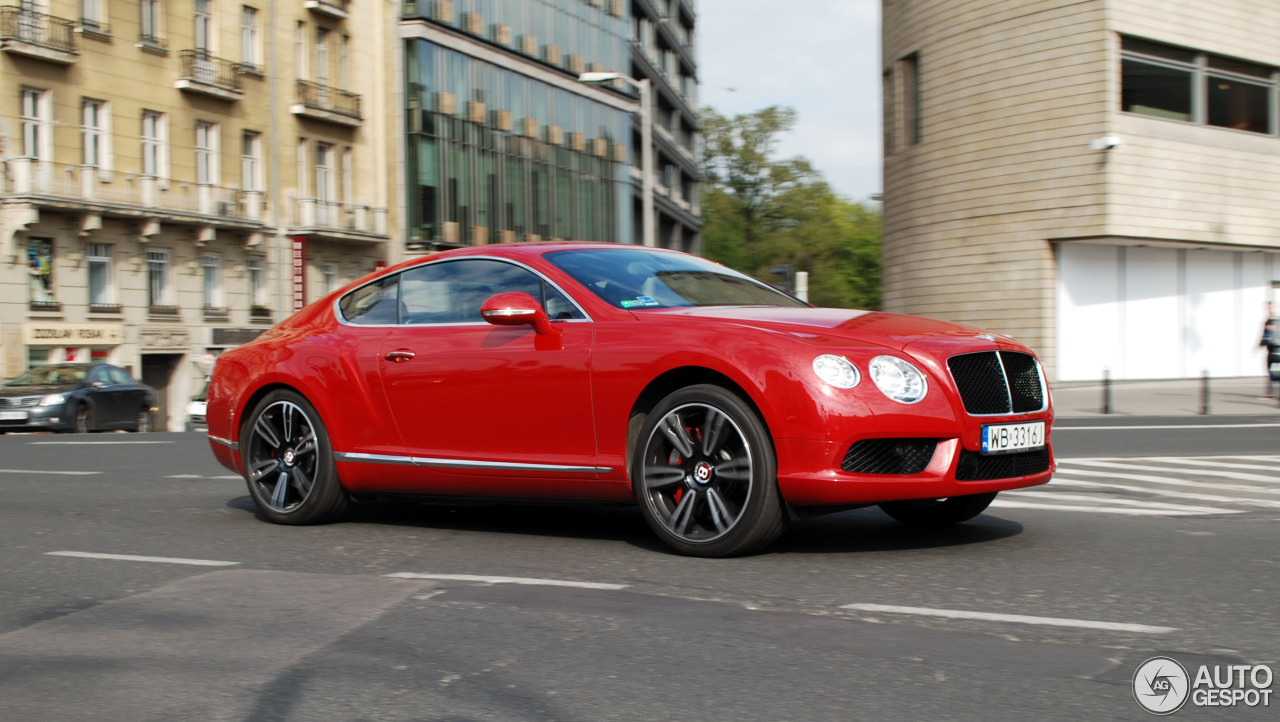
(889, 456)
(979, 467)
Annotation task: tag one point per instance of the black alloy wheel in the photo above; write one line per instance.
(938, 512)
(288, 462)
(83, 420)
(705, 475)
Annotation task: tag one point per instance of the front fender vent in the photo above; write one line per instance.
(889, 456)
(977, 467)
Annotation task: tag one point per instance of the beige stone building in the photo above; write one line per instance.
(1098, 178)
(179, 174)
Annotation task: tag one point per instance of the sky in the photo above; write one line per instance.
(821, 58)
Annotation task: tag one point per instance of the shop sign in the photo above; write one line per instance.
(163, 337)
(72, 334)
(299, 272)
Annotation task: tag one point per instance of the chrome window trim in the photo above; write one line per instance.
(225, 442)
(342, 320)
(356, 457)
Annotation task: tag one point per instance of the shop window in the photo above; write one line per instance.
(40, 273)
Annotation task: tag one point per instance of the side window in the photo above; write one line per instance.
(99, 376)
(452, 291)
(119, 376)
(373, 304)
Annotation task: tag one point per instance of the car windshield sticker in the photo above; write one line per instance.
(641, 302)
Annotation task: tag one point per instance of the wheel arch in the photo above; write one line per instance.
(677, 378)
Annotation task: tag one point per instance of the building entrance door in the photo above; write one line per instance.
(157, 372)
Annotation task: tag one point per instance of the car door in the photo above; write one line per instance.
(106, 398)
(476, 399)
(131, 395)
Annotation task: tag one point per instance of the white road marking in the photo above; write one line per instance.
(1234, 475)
(1172, 482)
(1013, 618)
(1128, 511)
(1218, 462)
(1112, 500)
(92, 443)
(508, 580)
(1269, 503)
(46, 471)
(132, 558)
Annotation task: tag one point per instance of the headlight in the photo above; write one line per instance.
(53, 399)
(836, 370)
(898, 379)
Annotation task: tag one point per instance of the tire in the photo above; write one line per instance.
(933, 513)
(288, 462)
(705, 475)
(143, 424)
(83, 423)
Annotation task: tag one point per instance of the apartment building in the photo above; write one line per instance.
(504, 143)
(177, 175)
(1098, 178)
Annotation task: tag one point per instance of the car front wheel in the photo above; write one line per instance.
(143, 424)
(705, 475)
(938, 512)
(288, 462)
(83, 420)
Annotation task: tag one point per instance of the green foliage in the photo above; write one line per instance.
(759, 211)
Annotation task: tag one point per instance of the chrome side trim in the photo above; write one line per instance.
(225, 442)
(466, 463)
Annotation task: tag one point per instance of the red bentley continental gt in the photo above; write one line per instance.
(583, 371)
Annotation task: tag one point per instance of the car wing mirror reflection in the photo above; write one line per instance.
(516, 308)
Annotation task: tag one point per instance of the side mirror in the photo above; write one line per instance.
(516, 308)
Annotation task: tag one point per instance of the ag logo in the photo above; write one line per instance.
(1161, 685)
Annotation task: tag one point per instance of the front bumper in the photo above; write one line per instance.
(37, 418)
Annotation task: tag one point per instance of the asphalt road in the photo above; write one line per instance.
(560, 613)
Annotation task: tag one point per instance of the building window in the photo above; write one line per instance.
(211, 264)
(94, 133)
(159, 290)
(251, 160)
(35, 121)
(92, 15)
(911, 99)
(249, 36)
(1173, 83)
(152, 11)
(330, 273)
(322, 56)
(206, 153)
(40, 271)
(326, 182)
(203, 26)
(101, 276)
(154, 147)
(257, 283)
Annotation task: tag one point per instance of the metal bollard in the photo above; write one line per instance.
(1106, 390)
(1204, 393)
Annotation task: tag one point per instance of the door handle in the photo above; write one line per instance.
(399, 356)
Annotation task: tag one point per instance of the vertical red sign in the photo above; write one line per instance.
(299, 272)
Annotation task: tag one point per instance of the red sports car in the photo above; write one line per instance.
(614, 373)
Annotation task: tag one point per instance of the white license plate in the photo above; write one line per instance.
(999, 438)
(13, 416)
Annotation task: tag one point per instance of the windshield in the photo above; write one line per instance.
(635, 278)
(46, 375)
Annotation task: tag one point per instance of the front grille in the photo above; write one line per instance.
(979, 467)
(889, 456)
(18, 402)
(998, 382)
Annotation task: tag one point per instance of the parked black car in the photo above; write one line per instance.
(76, 397)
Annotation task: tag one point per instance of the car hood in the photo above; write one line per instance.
(38, 390)
(892, 330)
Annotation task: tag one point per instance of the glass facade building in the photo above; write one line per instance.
(503, 143)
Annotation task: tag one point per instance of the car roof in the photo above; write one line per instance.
(522, 250)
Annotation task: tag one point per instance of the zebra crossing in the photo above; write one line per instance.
(1156, 486)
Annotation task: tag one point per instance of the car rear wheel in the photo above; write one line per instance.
(705, 475)
(938, 512)
(84, 420)
(288, 462)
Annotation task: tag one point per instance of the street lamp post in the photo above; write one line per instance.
(645, 108)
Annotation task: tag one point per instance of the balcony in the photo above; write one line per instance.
(36, 35)
(29, 187)
(321, 102)
(340, 221)
(208, 75)
(336, 9)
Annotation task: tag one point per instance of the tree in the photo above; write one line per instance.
(760, 211)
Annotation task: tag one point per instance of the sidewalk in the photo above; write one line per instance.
(1175, 397)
